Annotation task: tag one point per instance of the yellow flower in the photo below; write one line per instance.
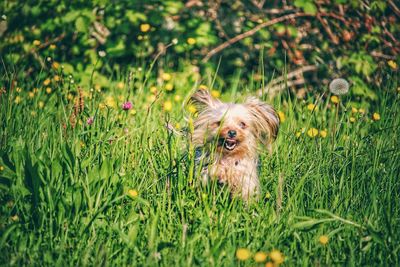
(153, 89)
(312, 132)
(392, 64)
(191, 41)
(132, 111)
(323, 133)
(335, 99)
(35, 90)
(56, 78)
(15, 218)
(177, 126)
(268, 195)
(70, 96)
(31, 94)
(33, 113)
(55, 65)
(354, 110)
(145, 27)
(167, 105)
(1, 168)
(243, 254)
(203, 87)
(46, 82)
(376, 116)
(177, 98)
(36, 43)
(18, 89)
(133, 193)
(41, 104)
(110, 101)
(192, 109)
(151, 98)
(312, 107)
(269, 264)
(169, 87)
(97, 87)
(120, 85)
(48, 90)
(323, 239)
(298, 134)
(361, 110)
(352, 119)
(281, 116)
(52, 46)
(166, 76)
(276, 256)
(215, 93)
(17, 99)
(102, 106)
(260, 256)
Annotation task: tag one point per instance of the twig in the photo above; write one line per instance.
(394, 7)
(328, 30)
(251, 32)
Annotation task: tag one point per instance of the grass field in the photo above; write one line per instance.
(85, 182)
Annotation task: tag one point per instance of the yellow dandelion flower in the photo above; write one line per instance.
(145, 27)
(269, 264)
(178, 126)
(354, 110)
(376, 116)
(243, 254)
(151, 98)
(215, 93)
(48, 90)
(120, 85)
(311, 107)
(268, 195)
(177, 98)
(133, 193)
(192, 109)
(35, 90)
(56, 78)
(166, 76)
(298, 134)
(17, 99)
(167, 106)
(312, 132)
(102, 106)
(46, 82)
(153, 90)
(31, 94)
(1, 168)
(335, 99)
(276, 256)
(323, 133)
(203, 87)
(392, 64)
(260, 257)
(281, 116)
(41, 104)
(323, 239)
(55, 65)
(110, 101)
(169, 87)
(36, 42)
(361, 110)
(52, 47)
(18, 89)
(352, 119)
(132, 111)
(191, 41)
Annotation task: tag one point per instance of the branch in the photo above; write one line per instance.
(251, 32)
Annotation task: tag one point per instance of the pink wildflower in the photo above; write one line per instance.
(127, 105)
(90, 121)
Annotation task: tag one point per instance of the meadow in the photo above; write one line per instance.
(92, 176)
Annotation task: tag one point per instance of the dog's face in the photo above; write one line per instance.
(233, 128)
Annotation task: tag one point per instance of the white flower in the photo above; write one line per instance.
(339, 86)
(102, 53)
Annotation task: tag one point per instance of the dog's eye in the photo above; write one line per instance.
(216, 124)
(242, 125)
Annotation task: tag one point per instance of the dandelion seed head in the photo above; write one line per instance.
(339, 86)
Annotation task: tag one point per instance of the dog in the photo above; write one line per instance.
(226, 137)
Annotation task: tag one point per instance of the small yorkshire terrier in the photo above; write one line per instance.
(226, 138)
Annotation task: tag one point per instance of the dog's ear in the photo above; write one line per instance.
(203, 99)
(265, 119)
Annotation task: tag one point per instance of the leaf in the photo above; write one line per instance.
(81, 25)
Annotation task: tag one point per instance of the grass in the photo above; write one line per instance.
(121, 191)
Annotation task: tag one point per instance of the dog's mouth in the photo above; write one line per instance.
(229, 144)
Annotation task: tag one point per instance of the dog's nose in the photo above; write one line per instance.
(231, 133)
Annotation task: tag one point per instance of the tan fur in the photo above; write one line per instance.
(253, 122)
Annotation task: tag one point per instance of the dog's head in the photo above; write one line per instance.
(233, 128)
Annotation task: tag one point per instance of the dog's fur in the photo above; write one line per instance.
(233, 160)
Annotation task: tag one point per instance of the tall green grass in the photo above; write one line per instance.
(65, 196)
